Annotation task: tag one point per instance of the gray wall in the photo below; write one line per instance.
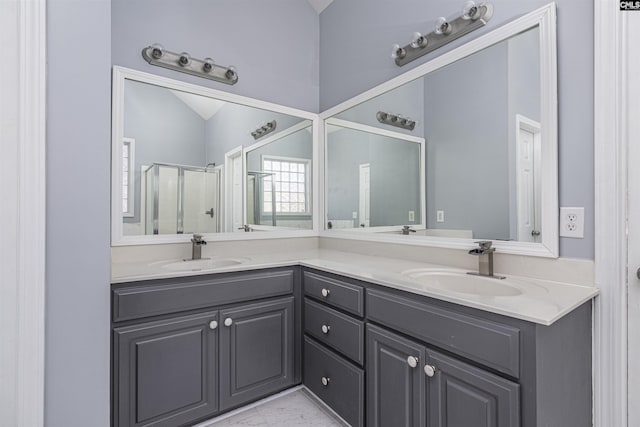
(467, 145)
(78, 214)
(165, 129)
(394, 179)
(355, 48)
(273, 44)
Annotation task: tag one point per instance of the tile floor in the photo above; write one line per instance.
(297, 408)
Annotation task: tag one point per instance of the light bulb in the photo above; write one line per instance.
(185, 59)
(470, 10)
(232, 73)
(418, 40)
(442, 26)
(208, 65)
(157, 51)
(397, 52)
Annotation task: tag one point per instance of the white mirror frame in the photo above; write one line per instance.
(545, 19)
(120, 74)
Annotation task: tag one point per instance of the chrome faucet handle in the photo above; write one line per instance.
(406, 229)
(198, 239)
(485, 244)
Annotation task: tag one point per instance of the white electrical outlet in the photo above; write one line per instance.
(412, 216)
(572, 222)
(439, 216)
(354, 215)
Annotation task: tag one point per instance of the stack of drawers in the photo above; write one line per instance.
(334, 343)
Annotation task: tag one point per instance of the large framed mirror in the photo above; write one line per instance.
(459, 149)
(179, 163)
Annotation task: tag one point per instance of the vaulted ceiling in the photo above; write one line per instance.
(319, 5)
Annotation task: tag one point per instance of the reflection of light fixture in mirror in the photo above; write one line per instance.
(473, 15)
(395, 120)
(264, 130)
(183, 62)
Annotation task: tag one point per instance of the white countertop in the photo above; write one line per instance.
(538, 301)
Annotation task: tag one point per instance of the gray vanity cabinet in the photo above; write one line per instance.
(461, 395)
(256, 351)
(167, 371)
(437, 364)
(396, 393)
(186, 349)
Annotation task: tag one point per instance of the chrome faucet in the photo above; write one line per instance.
(484, 252)
(406, 229)
(196, 246)
(246, 228)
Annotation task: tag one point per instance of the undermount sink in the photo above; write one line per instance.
(462, 283)
(203, 264)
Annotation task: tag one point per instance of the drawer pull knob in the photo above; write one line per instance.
(412, 361)
(326, 329)
(228, 321)
(429, 370)
(325, 381)
(325, 292)
(213, 325)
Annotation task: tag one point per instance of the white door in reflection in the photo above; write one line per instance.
(201, 209)
(528, 179)
(365, 195)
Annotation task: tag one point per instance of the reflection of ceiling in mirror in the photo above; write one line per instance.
(319, 5)
(203, 106)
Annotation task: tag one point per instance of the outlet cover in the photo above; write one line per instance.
(439, 216)
(412, 216)
(354, 215)
(572, 222)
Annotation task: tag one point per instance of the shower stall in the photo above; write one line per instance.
(182, 199)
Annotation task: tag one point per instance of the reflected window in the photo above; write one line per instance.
(128, 149)
(287, 183)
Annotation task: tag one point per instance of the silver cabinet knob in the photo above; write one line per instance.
(325, 381)
(228, 321)
(638, 273)
(429, 370)
(213, 325)
(325, 292)
(326, 329)
(412, 361)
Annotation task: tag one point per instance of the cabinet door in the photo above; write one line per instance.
(395, 380)
(256, 351)
(166, 371)
(461, 395)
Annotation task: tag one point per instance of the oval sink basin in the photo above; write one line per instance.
(203, 264)
(463, 283)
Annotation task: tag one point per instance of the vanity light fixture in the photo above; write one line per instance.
(473, 15)
(183, 62)
(395, 120)
(264, 130)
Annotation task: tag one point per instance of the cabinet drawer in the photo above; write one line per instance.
(492, 344)
(344, 333)
(337, 293)
(344, 391)
(145, 299)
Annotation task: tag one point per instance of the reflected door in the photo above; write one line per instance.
(200, 201)
(528, 180)
(365, 195)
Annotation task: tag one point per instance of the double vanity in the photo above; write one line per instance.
(381, 341)
(282, 288)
